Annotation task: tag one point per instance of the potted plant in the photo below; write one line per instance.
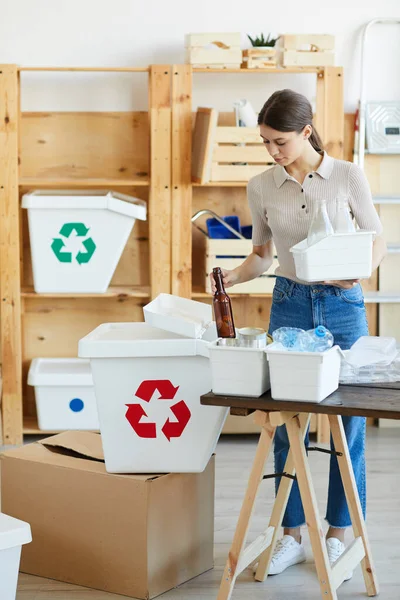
(262, 55)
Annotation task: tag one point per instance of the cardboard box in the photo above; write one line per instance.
(137, 535)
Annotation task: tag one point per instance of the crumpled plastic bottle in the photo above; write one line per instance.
(321, 339)
(291, 338)
(296, 339)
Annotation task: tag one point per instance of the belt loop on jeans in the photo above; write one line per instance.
(290, 290)
(337, 291)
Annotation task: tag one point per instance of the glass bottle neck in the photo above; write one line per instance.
(342, 203)
(320, 206)
(219, 284)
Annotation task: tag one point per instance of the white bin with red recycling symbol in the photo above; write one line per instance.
(148, 379)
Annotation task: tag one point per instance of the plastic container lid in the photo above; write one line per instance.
(179, 315)
(60, 371)
(131, 340)
(13, 532)
(370, 350)
(86, 199)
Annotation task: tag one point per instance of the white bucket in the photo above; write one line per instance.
(336, 257)
(148, 382)
(239, 371)
(64, 394)
(77, 237)
(305, 376)
(13, 534)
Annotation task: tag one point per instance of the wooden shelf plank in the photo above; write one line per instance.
(77, 183)
(200, 294)
(382, 297)
(279, 70)
(386, 199)
(31, 427)
(221, 184)
(112, 292)
(89, 69)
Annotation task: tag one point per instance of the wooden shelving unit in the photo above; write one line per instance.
(112, 150)
(149, 157)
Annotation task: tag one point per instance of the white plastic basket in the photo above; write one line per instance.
(336, 257)
(77, 237)
(305, 376)
(64, 394)
(13, 534)
(237, 371)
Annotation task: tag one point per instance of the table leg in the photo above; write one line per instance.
(231, 568)
(310, 506)
(353, 502)
(280, 504)
(323, 431)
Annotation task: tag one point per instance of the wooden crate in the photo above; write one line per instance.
(225, 153)
(307, 50)
(214, 50)
(259, 58)
(238, 154)
(229, 254)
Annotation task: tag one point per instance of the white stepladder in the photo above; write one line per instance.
(359, 140)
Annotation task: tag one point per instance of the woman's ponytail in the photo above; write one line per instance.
(316, 141)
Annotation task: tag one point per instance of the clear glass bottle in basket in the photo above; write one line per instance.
(320, 226)
(343, 222)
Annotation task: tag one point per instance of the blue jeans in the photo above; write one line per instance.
(343, 313)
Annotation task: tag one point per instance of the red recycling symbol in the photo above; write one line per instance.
(167, 391)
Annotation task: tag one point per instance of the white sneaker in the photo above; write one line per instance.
(287, 553)
(335, 549)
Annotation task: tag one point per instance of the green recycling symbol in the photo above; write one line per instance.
(81, 231)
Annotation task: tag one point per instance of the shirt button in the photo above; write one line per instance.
(310, 176)
(302, 190)
(303, 206)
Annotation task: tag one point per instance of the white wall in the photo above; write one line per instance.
(140, 32)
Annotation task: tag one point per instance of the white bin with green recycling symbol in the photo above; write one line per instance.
(77, 237)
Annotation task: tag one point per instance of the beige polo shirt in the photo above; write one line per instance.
(282, 208)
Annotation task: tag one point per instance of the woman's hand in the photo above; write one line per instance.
(345, 284)
(228, 277)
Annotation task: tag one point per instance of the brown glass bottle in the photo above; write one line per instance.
(222, 308)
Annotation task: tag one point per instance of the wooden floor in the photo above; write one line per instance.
(234, 455)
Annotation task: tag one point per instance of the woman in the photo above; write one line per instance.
(281, 201)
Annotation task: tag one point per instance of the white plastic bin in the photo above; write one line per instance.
(336, 257)
(148, 382)
(64, 393)
(239, 371)
(307, 376)
(13, 534)
(178, 315)
(77, 237)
